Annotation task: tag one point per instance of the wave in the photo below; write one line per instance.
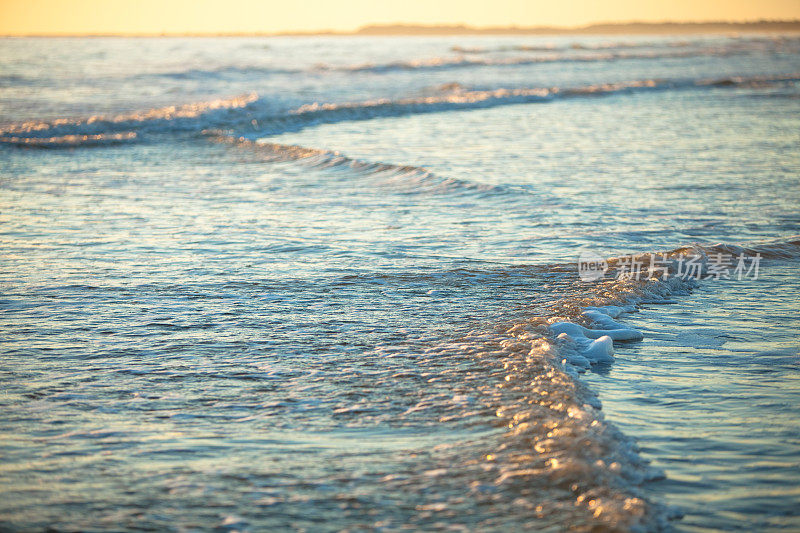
(431, 64)
(705, 254)
(449, 63)
(67, 141)
(456, 97)
(126, 127)
(587, 324)
(775, 249)
(599, 53)
(753, 43)
(558, 452)
(428, 64)
(533, 54)
(253, 117)
(403, 179)
(227, 71)
(558, 449)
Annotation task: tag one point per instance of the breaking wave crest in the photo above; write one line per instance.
(97, 130)
(454, 97)
(249, 116)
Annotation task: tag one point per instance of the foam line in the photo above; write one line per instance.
(602, 320)
(251, 117)
(124, 127)
(68, 141)
(458, 97)
(576, 330)
(588, 351)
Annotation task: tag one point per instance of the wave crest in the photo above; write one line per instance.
(127, 126)
(249, 116)
(404, 179)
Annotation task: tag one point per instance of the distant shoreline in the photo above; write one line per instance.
(408, 30)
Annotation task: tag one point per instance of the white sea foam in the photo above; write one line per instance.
(126, 127)
(66, 141)
(253, 118)
(582, 345)
(576, 330)
(612, 310)
(585, 347)
(589, 351)
(604, 321)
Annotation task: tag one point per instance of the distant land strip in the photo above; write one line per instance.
(657, 28)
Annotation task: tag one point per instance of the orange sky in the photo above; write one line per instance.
(19, 17)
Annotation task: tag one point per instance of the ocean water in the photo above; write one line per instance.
(331, 284)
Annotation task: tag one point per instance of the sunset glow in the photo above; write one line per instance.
(54, 17)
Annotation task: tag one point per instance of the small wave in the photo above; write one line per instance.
(558, 450)
(456, 97)
(67, 141)
(316, 113)
(558, 453)
(449, 63)
(227, 71)
(598, 54)
(779, 43)
(126, 127)
(584, 324)
(550, 47)
(439, 63)
(405, 179)
(251, 117)
(580, 326)
(15, 80)
(775, 249)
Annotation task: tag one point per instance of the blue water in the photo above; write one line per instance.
(710, 395)
(292, 283)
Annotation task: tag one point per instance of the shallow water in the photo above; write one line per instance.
(710, 397)
(324, 303)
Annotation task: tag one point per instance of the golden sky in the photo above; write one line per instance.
(19, 17)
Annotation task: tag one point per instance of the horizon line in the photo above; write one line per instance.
(401, 29)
